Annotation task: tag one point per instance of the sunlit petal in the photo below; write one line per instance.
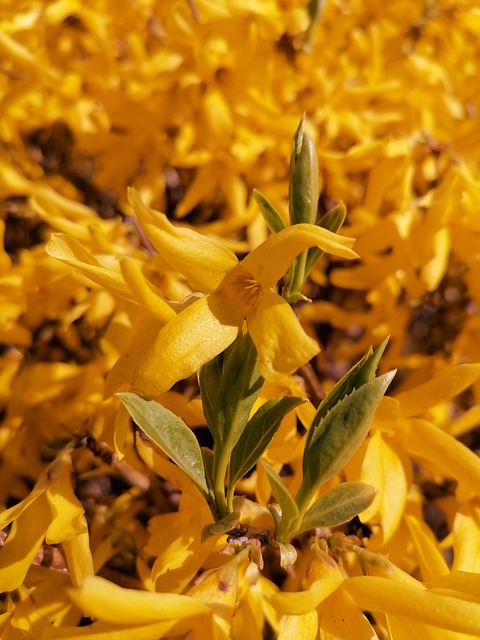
(272, 259)
(194, 337)
(282, 345)
(301, 602)
(301, 627)
(400, 599)
(185, 250)
(149, 299)
(100, 598)
(71, 252)
(25, 537)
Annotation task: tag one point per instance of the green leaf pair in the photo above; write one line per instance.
(339, 426)
(229, 385)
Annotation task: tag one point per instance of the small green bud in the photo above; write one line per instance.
(303, 191)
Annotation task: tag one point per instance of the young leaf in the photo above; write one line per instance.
(283, 497)
(229, 385)
(359, 374)
(209, 381)
(339, 435)
(171, 434)
(257, 435)
(273, 219)
(338, 505)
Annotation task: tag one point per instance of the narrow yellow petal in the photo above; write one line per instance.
(71, 252)
(120, 376)
(431, 560)
(341, 619)
(68, 516)
(23, 542)
(384, 467)
(452, 458)
(200, 259)
(107, 631)
(282, 344)
(388, 596)
(463, 582)
(272, 259)
(302, 627)
(301, 602)
(444, 385)
(466, 545)
(79, 558)
(100, 598)
(149, 299)
(194, 337)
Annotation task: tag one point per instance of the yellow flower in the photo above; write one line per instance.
(236, 292)
(53, 513)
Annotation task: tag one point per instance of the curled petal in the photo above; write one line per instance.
(282, 344)
(194, 337)
(272, 259)
(203, 261)
(143, 291)
(71, 252)
(25, 537)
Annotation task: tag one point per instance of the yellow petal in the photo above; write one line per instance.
(303, 627)
(194, 337)
(272, 259)
(384, 469)
(68, 516)
(444, 385)
(341, 619)
(466, 545)
(431, 561)
(120, 376)
(150, 300)
(79, 558)
(282, 344)
(301, 602)
(393, 597)
(109, 631)
(100, 598)
(23, 542)
(200, 259)
(463, 582)
(452, 458)
(71, 252)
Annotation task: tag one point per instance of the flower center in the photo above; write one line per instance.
(242, 289)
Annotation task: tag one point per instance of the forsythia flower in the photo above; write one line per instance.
(235, 292)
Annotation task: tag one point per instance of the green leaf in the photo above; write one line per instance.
(209, 381)
(338, 505)
(229, 385)
(171, 434)
(283, 497)
(257, 435)
(271, 216)
(359, 374)
(332, 221)
(339, 435)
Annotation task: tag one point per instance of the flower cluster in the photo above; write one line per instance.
(267, 487)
